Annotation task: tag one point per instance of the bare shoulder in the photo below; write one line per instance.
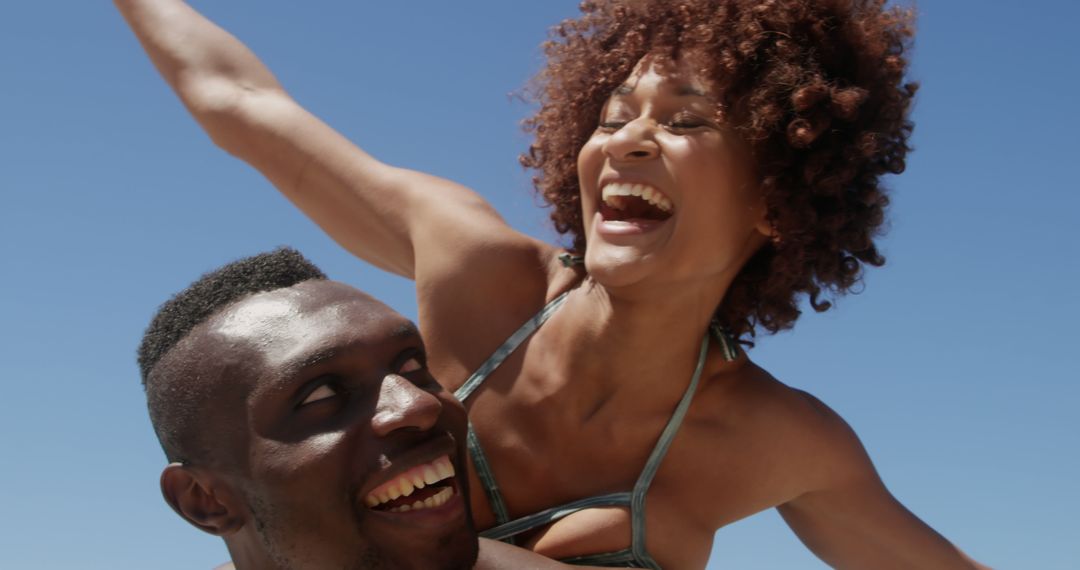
(788, 449)
(491, 273)
(796, 432)
(814, 426)
(470, 304)
(752, 394)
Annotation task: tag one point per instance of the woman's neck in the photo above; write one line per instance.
(629, 347)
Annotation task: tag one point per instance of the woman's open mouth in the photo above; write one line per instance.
(632, 208)
(626, 202)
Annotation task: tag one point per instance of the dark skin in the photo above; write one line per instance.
(319, 393)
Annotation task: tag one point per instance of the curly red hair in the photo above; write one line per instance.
(817, 90)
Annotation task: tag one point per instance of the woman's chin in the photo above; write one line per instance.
(622, 254)
(618, 266)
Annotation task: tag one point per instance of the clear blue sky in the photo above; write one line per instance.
(957, 365)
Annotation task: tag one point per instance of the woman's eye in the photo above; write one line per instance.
(410, 365)
(611, 125)
(686, 123)
(321, 393)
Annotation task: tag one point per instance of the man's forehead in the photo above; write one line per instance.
(299, 311)
(266, 337)
(285, 325)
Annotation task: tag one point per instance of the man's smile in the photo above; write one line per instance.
(425, 486)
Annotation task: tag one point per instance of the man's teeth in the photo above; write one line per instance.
(612, 192)
(436, 500)
(408, 482)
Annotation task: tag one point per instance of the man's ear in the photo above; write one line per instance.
(203, 499)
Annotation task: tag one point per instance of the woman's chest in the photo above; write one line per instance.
(709, 476)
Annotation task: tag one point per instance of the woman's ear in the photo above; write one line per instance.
(765, 228)
(764, 225)
(202, 498)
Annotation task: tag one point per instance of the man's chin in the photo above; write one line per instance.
(439, 538)
(454, 553)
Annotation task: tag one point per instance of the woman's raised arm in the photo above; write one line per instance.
(391, 217)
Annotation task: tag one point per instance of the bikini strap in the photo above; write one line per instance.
(570, 260)
(729, 347)
(480, 462)
(545, 517)
(487, 479)
(508, 348)
(641, 488)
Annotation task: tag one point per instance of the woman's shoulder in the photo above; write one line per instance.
(790, 426)
(468, 311)
(751, 394)
(758, 442)
(809, 438)
(804, 419)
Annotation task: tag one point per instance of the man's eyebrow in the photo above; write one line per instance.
(406, 330)
(295, 367)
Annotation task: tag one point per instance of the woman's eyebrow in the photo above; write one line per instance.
(689, 91)
(681, 91)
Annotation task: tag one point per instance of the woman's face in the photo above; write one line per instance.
(667, 192)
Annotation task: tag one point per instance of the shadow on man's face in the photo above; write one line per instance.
(320, 403)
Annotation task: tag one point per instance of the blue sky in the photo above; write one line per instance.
(957, 365)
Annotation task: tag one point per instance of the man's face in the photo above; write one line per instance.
(333, 413)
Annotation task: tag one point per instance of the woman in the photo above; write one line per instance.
(712, 160)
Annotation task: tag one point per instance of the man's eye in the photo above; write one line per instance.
(410, 365)
(321, 393)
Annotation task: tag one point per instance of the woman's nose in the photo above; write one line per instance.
(633, 141)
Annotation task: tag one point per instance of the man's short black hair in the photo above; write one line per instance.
(173, 405)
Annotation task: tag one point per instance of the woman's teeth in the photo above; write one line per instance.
(612, 194)
(408, 482)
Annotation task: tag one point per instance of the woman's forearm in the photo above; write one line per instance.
(206, 65)
(239, 103)
(380, 213)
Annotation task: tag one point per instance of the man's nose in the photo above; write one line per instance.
(403, 405)
(633, 141)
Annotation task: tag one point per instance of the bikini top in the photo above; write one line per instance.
(505, 529)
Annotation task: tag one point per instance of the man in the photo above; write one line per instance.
(303, 427)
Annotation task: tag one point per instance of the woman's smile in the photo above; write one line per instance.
(661, 180)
